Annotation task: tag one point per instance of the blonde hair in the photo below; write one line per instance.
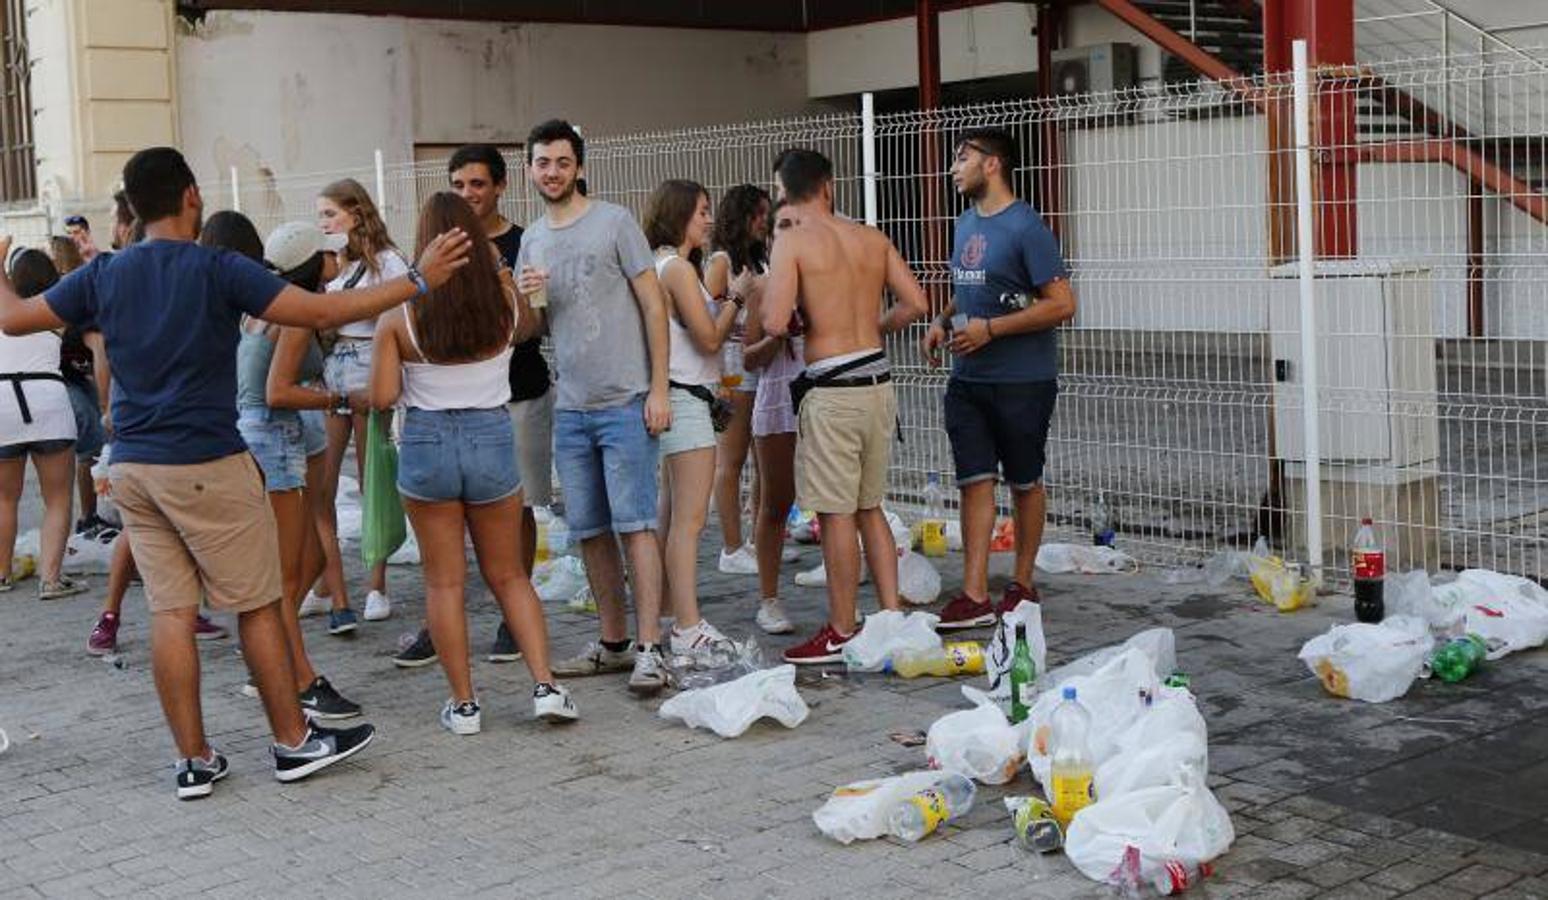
(368, 236)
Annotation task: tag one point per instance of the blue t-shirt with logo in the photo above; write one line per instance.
(1010, 252)
(169, 313)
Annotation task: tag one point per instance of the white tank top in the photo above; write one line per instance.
(484, 384)
(48, 404)
(685, 364)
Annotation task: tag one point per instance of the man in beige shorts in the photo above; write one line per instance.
(836, 270)
(192, 497)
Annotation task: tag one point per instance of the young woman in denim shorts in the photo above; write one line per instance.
(274, 437)
(446, 356)
(369, 258)
(36, 422)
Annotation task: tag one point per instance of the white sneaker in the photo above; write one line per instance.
(462, 718)
(771, 617)
(699, 640)
(649, 675)
(818, 577)
(740, 561)
(786, 555)
(789, 555)
(314, 605)
(552, 703)
(378, 607)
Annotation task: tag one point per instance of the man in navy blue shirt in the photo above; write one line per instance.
(1009, 294)
(191, 496)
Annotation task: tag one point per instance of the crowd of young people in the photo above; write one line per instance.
(677, 346)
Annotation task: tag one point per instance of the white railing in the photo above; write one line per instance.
(1182, 379)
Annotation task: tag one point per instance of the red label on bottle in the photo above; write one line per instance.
(1368, 564)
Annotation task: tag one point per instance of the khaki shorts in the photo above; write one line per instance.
(533, 421)
(204, 529)
(844, 447)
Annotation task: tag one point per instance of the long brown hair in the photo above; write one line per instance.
(469, 316)
(369, 235)
(670, 210)
(65, 254)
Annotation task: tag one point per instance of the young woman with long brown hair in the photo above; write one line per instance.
(369, 258)
(446, 355)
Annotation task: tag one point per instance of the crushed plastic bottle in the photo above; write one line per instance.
(1458, 658)
(928, 809)
(955, 658)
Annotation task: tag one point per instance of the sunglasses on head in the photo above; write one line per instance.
(76, 220)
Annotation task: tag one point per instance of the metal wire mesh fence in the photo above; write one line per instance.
(1181, 378)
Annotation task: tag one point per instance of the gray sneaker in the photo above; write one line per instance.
(649, 675)
(64, 587)
(595, 659)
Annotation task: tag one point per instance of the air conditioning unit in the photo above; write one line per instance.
(1094, 69)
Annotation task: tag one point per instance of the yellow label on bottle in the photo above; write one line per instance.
(1072, 792)
(932, 537)
(965, 658)
(931, 803)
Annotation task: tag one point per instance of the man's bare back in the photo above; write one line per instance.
(837, 271)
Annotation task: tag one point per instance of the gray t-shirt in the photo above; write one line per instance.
(593, 317)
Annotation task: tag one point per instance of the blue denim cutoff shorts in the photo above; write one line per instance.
(607, 464)
(457, 454)
(274, 438)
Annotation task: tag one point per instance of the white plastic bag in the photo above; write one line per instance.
(980, 743)
(888, 632)
(1088, 560)
(1158, 644)
(1114, 695)
(1180, 822)
(1157, 744)
(408, 554)
(1509, 612)
(1003, 644)
(1374, 663)
(901, 535)
(87, 556)
(729, 709)
(1410, 594)
(918, 582)
(559, 580)
(859, 811)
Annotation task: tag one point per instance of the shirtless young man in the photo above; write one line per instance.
(836, 271)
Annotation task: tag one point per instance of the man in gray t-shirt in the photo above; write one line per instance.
(588, 267)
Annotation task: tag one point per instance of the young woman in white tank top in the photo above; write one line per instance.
(677, 223)
(446, 356)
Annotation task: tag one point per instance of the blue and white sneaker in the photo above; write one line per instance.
(342, 621)
(322, 748)
(196, 777)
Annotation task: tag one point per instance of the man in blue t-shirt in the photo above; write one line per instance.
(1009, 294)
(192, 498)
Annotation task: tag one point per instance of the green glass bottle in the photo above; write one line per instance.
(1023, 675)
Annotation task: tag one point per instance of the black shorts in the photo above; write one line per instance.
(997, 428)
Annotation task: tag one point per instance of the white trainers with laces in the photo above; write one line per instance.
(701, 639)
(741, 561)
(462, 718)
(649, 675)
(771, 617)
(377, 607)
(552, 703)
(314, 605)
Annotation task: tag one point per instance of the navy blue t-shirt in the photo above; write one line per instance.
(1010, 252)
(169, 313)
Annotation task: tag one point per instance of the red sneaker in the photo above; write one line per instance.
(965, 612)
(826, 646)
(1014, 594)
(104, 637)
(205, 630)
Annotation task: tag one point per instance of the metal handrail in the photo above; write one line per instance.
(1448, 15)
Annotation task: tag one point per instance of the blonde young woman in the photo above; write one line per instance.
(369, 258)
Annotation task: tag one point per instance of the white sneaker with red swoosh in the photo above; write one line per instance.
(826, 646)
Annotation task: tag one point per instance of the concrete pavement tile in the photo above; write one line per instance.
(1477, 880)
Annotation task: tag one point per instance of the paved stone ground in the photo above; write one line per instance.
(1442, 794)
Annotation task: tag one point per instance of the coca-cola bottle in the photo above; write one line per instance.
(1368, 562)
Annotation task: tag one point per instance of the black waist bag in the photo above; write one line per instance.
(802, 384)
(720, 408)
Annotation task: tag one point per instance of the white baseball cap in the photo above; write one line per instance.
(290, 245)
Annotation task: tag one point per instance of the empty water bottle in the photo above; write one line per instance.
(924, 812)
(1103, 534)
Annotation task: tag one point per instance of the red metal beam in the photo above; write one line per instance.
(1169, 40)
(1469, 162)
(927, 30)
(1050, 183)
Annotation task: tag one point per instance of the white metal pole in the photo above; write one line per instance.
(236, 191)
(1309, 363)
(381, 183)
(868, 154)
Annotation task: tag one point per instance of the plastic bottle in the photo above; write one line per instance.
(1368, 562)
(543, 549)
(558, 537)
(1071, 778)
(925, 811)
(955, 658)
(1102, 531)
(1023, 677)
(932, 531)
(1458, 658)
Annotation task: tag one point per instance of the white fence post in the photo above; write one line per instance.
(1309, 364)
(381, 184)
(868, 155)
(236, 191)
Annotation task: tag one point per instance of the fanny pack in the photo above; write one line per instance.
(803, 383)
(16, 379)
(720, 407)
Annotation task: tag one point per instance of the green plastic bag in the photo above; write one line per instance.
(382, 528)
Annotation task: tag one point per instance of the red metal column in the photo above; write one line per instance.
(935, 254)
(927, 29)
(1327, 26)
(1049, 184)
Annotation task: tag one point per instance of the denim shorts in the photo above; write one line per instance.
(274, 438)
(314, 431)
(607, 465)
(457, 454)
(348, 367)
(89, 434)
(692, 428)
(9, 452)
(1000, 429)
